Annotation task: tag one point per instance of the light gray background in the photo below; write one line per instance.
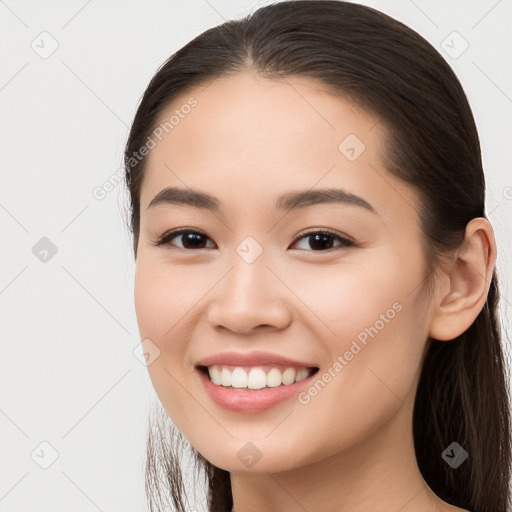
(68, 374)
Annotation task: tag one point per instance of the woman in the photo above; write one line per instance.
(315, 272)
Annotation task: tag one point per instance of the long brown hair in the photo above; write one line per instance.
(392, 72)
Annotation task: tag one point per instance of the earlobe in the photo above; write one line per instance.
(469, 280)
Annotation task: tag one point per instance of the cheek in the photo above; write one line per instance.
(164, 294)
(161, 303)
(375, 351)
(367, 314)
(167, 297)
(346, 299)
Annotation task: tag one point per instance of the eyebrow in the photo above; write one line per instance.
(289, 201)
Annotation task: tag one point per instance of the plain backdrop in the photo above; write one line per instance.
(74, 396)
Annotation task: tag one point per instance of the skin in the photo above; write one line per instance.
(248, 141)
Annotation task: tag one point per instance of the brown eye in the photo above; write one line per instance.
(318, 241)
(190, 239)
(321, 241)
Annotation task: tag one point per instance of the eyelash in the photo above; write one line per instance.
(167, 237)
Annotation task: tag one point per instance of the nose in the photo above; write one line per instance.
(249, 297)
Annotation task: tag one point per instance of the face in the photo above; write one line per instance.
(333, 282)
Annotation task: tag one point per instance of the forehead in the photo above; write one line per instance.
(247, 111)
(263, 137)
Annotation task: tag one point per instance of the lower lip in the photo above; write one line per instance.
(250, 400)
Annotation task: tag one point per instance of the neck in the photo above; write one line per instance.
(378, 473)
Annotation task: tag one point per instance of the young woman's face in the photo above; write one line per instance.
(263, 278)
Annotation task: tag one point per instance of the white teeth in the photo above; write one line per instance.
(238, 378)
(256, 378)
(215, 375)
(289, 376)
(273, 378)
(301, 374)
(225, 377)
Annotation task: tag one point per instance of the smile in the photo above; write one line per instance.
(258, 377)
(245, 399)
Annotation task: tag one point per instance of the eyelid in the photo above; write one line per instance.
(169, 235)
(332, 232)
(345, 240)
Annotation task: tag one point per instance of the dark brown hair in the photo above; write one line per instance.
(392, 72)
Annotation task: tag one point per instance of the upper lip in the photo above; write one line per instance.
(252, 359)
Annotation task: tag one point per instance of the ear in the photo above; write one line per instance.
(467, 281)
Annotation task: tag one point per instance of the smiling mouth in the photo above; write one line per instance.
(256, 377)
